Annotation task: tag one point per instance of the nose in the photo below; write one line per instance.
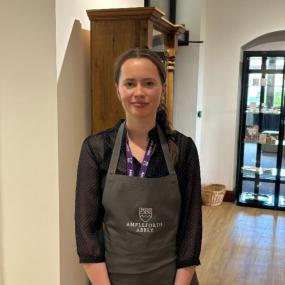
(139, 90)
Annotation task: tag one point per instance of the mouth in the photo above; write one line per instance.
(139, 104)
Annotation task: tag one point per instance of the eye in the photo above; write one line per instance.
(149, 83)
(129, 84)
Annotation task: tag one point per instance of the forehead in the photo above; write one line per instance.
(139, 67)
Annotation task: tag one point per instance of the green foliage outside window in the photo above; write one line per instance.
(277, 98)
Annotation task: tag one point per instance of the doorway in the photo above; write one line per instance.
(261, 156)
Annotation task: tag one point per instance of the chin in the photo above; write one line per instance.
(142, 115)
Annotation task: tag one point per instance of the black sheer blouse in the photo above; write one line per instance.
(92, 169)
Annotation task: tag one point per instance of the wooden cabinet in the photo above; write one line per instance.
(114, 31)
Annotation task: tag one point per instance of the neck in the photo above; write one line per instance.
(138, 128)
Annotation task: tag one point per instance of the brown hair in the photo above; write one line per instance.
(162, 113)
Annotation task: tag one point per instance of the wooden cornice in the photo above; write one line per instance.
(147, 13)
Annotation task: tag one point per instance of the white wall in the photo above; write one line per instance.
(188, 63)
(70, 10)
(28, 144)
(230, 24)
(73, 91)
(269, 46)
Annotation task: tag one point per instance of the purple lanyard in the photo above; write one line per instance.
(144, 165)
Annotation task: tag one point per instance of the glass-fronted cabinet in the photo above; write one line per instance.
(261, 155)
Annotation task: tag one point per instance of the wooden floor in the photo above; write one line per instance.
(242, 245)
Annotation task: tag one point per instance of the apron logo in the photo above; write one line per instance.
(144, 225)
(145, 214)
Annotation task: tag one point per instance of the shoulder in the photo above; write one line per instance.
(182, 141)
(100, 138)
(188, 165)
(102, 142)
(187, 154)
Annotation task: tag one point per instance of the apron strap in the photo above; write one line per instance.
(117, 149)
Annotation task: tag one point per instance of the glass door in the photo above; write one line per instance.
(261, 167)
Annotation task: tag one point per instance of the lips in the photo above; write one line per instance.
(139, 104)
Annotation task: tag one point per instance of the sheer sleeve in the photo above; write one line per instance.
(88, 208)
(190, 228)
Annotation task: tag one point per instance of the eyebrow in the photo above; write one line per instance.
(133, 79)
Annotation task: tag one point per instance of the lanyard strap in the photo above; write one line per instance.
(144, 165)
(117, 147)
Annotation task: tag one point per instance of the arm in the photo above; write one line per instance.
(97, 273)
(190, 227)
(89, 214)
(184, 275)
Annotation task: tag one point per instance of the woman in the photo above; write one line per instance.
(138, 200)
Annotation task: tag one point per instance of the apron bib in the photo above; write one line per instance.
(140, 223)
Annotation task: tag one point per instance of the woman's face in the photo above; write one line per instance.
(139, 88)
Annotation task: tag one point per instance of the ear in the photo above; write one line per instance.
(117, 91)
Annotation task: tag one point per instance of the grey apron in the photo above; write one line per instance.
(140, 223)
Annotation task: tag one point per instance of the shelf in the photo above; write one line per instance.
(263, 112)
(257, 142)
(268, 137)
(268, 174)
(261, 199)
(260, 179)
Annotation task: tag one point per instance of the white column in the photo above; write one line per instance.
(29, 144)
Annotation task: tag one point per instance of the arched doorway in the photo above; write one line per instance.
(261, 154)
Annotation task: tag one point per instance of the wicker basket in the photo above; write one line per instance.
(213, 194)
